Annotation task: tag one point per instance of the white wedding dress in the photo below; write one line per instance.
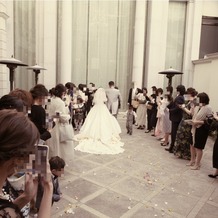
(100, 132)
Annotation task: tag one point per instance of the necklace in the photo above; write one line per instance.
(5, 196)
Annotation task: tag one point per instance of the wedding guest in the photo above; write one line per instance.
(90, 95)
(215, 151)
(79, 113)
(69, 94)
(175, 114)
(169, 90)
(166, 120)
(159, 125)
(57, 165)
(25, 96)
(166, 127)
(151, 117)
(183, 136)
(141, 112)
(51, 92)
(11, 102)
(130, 119)
(69, 98)
(81, 91)
(15, 150)
(133, 92)
(38, 115)
(58, 109)
(153, 102)
(14, 184)
(200, 130)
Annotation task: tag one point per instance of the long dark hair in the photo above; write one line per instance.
(18, 135)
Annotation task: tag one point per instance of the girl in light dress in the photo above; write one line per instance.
(166, 124)
(159, 126)
(141, 112)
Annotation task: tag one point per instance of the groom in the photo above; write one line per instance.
(113, 98)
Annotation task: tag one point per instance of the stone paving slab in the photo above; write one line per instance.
(103, 176)
(79, 189)
(208, 211)
(112, 204)
(134, 188)
(143, 182)
(146, 211)
(174, 202)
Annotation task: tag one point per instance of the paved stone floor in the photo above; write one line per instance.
(144, 181)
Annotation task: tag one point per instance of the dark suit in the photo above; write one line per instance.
(130, 94)
(175, 117)
(90, 95)
(137, 90)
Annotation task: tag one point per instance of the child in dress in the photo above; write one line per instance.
(130, 119)
(79, 113)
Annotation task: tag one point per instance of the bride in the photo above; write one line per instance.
(100, 132)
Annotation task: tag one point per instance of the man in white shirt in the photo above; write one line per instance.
(113, 98)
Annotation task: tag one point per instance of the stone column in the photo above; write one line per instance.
(65, 42)
(139, 40)
(4, 71)
(192, 39)
(39, 39)
(50, 42)
(156, 43)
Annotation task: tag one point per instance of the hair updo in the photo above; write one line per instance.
(59, 90)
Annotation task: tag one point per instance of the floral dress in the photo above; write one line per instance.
(184, 136)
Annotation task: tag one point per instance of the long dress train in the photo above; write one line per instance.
(100, 132)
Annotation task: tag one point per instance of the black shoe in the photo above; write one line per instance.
(152, 134)
(213, 176)
(169, 149)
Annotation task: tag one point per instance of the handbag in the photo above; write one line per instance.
(135, 103)
(66, 132)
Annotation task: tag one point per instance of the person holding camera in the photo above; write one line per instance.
(16, 152)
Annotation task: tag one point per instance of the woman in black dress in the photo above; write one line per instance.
(151, 109)
(38, 114)
(215, 153)
(200, 130)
